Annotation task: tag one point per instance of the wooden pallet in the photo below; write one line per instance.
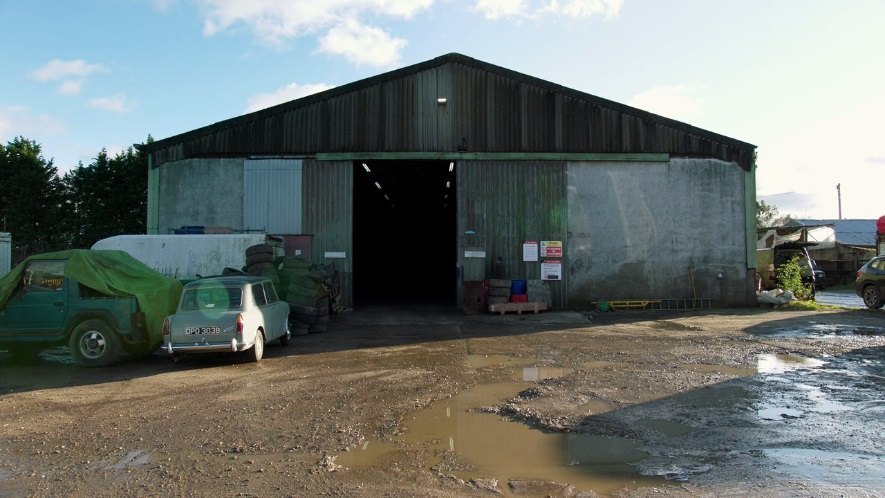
(518, 308)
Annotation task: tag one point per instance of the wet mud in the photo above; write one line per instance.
(399, 403)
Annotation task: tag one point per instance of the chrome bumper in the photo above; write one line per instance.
(207, 347)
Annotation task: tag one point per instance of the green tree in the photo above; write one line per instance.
(108, 197)
(31, 198)
(768, 216)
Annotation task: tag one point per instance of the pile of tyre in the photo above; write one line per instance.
(306, 294)
(499, 291)
(260, 261)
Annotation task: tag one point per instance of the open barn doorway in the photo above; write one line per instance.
(404, 232)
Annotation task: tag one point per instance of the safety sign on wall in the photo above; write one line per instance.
(530, 250)
(551, 269)
(551, 248)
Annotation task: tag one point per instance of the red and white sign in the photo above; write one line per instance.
(551, 248)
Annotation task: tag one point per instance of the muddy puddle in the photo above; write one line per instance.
(831, 331)
(813, 419)
(487, 446)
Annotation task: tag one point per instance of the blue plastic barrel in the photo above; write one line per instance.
(518, 287)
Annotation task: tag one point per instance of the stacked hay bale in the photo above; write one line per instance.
(260, 262)
(308, 298)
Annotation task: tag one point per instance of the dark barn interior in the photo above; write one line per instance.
(404, 232)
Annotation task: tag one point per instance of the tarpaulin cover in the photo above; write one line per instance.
(114, 273)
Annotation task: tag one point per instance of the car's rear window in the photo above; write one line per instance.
(212, 298)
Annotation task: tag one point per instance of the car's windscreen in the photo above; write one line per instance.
(212, 298)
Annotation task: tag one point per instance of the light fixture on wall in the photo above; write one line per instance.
(441, 100)
(366, 166)
(451, 166)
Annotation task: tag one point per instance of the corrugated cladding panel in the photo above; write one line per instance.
(506, 204)
(328, 216)
(491, 109)
(271, 201)
(5, 253)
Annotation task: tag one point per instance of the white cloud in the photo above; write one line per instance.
(680, 102)
(337, 22)
(58, 69)
(20, 120)
(362, 45)
(501, 9)
(163, 5)
(72, 74)
(114, 103)
(71, 87)
(527, 9)
(285, 94)
(584, 8)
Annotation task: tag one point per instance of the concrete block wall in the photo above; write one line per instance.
(658, 230)
(200, 192)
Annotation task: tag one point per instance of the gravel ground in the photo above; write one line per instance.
(720, 403)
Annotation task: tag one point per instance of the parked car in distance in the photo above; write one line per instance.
(227, 314)
(820, 276)
(870, 282)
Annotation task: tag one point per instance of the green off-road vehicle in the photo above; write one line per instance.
(104, 305)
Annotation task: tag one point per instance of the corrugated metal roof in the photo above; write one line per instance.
(489, 109)
(848, 232)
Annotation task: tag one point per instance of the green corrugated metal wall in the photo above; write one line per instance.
(506, 203)
(328, 215)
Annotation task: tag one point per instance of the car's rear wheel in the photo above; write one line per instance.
(94, 344)
(256, 352)
(872, 297)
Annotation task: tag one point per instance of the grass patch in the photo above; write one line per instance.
(810, 306)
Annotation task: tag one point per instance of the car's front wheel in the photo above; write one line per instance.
(94, 344)
(872, 297)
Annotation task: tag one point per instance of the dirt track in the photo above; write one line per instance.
(733, 402)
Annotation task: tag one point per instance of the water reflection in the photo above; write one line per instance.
(495, 447)
(779, 363)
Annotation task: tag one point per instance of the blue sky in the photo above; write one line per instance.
(804, 80)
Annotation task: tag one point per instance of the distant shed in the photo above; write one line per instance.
(416, 181)
(852, 243)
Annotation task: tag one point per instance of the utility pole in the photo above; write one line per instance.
(839, 196)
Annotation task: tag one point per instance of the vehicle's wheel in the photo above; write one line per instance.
(871, 297)
(94, 344)
(256, 352)
(284, 340)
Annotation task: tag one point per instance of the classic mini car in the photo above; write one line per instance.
(233, 314)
